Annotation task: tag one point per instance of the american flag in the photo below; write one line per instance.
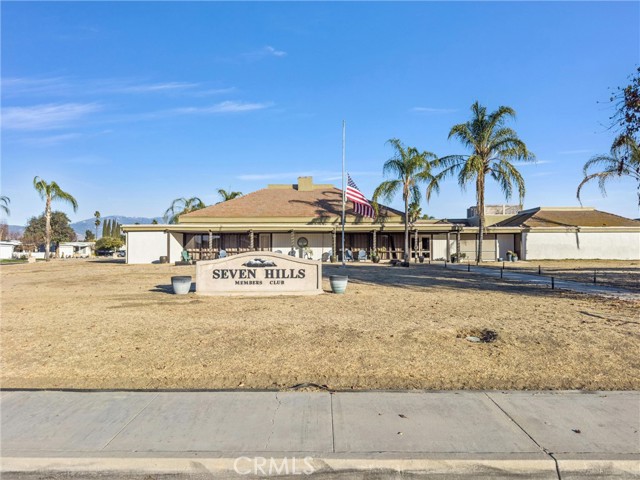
(361, 205)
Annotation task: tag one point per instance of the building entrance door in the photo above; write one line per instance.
(264, 241)
(423, 248)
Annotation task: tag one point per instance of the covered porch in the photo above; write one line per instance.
(429, 241)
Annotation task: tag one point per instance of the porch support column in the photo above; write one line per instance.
(333, 243)
(375, 243)
(448, 246)
(168, 246)
(251, 240)
(293, 240)
(458, 245)
(210, 244)
(417, 247)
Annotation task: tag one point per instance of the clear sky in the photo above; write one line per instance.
(131, 105)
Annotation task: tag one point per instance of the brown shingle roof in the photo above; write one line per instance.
(325, 202)
(579, 217)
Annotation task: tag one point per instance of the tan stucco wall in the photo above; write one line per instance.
(319, 243)
(146, 247)
(582, 245)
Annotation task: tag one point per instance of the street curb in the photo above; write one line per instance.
(246, 466)
(587, 468)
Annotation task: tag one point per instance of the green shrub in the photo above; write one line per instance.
(109, 243)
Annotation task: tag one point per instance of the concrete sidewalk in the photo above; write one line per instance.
(477, 435)
(543, 280)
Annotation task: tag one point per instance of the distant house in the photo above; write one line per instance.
(7, 248)
(304, 219)
(76, 249)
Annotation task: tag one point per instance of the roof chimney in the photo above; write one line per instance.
(305, 184)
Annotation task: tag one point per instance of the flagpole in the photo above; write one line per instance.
(344, 130)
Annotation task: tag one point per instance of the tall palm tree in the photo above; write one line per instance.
(4, 204)
(623, 161)
(97, 222)
(410, 167)
(493, 147)
(50, 192)
(228, 195)
(180, 206)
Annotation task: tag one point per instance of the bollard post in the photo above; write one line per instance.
(445, 264)
(539, 270)
(468, 266)
(594, 276)
(501, 270)
(503, 265)
(553, 283)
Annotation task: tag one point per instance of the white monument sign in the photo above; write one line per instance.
(259, 273)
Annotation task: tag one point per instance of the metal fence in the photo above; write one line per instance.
(617, 277)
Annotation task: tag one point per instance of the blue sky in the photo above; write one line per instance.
(131, 105)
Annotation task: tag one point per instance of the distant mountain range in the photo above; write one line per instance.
(19, 229)
(82, 226)
(89, 224)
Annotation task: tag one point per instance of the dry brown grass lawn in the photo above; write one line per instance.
(95, 324)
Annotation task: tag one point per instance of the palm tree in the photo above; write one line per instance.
(624, 161)
(180, 206)
(228, 195)
(410, 167)
(493, 147)
(4, 204)
(51, 192)
(97, 222)
(415, 210)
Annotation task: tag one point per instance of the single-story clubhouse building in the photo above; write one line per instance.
(304, 219)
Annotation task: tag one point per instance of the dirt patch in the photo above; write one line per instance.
(89, 324)
(480, 336)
